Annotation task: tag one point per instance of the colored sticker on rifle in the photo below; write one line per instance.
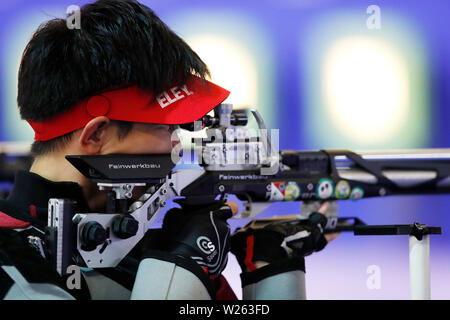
(292, 191)
(277, 191)
(342, 190)
(282, 191)
(357, 193)
(325, 189)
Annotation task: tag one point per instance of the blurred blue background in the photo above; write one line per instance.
(348, 74)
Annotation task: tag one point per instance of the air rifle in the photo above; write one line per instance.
(231, 160)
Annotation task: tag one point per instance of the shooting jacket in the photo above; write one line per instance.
(146, 273)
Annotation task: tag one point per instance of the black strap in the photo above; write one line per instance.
(5, 283)
(185, 263)
(124, 274)
(274, 268)
(15, 251)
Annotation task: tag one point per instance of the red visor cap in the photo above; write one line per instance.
(178, 105)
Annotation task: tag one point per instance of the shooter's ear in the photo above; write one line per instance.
(94, 135)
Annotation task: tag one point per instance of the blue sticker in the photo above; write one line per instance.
(357, 193)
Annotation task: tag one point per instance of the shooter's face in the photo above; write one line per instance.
(143, 138)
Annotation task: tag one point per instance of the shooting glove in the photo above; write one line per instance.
(199, 231)
(279, 241)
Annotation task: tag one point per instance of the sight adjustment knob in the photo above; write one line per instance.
(125, 227)
(92, 235)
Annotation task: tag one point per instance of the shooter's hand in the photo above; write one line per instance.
(255, 248)
(199, 231)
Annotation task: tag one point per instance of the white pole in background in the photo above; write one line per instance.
(419, 267)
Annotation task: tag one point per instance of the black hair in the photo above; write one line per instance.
(119, 42)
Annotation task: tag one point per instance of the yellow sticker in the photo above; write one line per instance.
(342, 190)
(292, 191)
